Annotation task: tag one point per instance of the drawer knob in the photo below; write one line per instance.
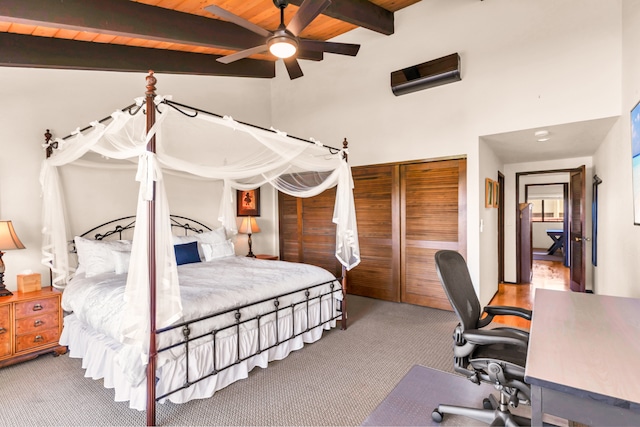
(37, 307)
(38, 338)
(2, 330)
(38, 322)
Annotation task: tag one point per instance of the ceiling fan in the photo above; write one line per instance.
(284, 41)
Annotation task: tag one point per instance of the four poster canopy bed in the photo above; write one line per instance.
(171, 316)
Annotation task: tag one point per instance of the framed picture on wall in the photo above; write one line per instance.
(248, 202)
(488, 193)
(496, 193)
(635, 161)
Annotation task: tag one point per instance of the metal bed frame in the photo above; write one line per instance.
(118, 229)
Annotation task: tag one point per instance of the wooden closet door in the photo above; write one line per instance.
(376, 197)
(307, 232)
(433, 208)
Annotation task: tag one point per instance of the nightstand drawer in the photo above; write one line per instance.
(37, 323)
(36, 339)
(5, 331)
(32, 323)
(33, 307)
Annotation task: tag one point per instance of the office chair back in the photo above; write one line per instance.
(454, 275)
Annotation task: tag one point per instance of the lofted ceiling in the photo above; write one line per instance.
(168, 36)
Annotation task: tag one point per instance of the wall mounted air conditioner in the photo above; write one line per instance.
(428, 74)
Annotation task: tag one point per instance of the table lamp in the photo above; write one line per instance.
(8, 240)
(249, 226)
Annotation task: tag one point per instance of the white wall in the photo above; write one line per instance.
(62, 100)
(525, 64)
(617, 272)
(487, 286)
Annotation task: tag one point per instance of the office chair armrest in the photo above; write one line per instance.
(490, 336)
(501, 310)
(519, 332)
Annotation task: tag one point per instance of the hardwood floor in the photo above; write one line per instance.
(546, 275)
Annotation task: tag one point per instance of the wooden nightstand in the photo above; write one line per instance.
(267, 256)
(30, 325)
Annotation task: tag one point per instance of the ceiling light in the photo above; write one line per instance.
(542, 135)
(282, 44)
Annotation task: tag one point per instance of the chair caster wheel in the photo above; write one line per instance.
(486, 403)
(437, 416)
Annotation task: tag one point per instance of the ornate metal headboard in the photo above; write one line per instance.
(121, 225)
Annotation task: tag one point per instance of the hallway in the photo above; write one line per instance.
(546, 275)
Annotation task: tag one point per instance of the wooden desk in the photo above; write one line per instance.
(583, 355)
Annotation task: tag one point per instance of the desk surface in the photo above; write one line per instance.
(585, 343)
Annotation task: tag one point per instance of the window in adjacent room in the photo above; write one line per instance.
(548, 201)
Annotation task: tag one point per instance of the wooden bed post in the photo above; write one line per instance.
(151, 217)
(343, 326)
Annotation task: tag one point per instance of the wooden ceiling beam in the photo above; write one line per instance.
(361, 13)
(130, 19)
(43, 52)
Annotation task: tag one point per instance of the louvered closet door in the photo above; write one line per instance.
(433, 208)
(307, 233)
(376, 197)
(290, 228)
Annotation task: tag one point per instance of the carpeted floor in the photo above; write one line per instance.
(337, 381)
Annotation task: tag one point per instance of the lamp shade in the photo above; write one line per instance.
(8, 237)
(249, 226)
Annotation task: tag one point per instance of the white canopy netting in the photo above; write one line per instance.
(245, 157)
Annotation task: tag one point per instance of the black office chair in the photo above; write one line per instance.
(492, 355)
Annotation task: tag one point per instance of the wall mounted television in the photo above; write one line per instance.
(635, 157)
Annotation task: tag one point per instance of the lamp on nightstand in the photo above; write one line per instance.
(249, 226)
(8, 240)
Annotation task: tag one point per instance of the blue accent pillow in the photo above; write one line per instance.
(187, 253)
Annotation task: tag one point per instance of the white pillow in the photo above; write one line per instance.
(217, 236)
(181, 240)
(121, 260)
(218, 250)
(95, 257)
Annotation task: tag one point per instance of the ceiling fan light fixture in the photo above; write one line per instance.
(282, 46)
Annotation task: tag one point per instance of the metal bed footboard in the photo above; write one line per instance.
(274, 314)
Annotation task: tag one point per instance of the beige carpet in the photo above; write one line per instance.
(337, 381)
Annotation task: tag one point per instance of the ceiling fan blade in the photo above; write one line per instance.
(242, 54)
(307, 12)
(218, 11)
(293, 68)
(330, 47)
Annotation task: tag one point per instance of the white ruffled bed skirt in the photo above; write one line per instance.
(99, 354)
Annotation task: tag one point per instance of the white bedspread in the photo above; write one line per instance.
(97, 305)
(205, 288)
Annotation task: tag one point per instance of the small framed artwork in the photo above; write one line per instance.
(248, 202)
(488, 193)
(496, 194)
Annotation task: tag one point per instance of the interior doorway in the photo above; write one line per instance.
(572, 241)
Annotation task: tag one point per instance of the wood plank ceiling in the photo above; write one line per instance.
(170, 36)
